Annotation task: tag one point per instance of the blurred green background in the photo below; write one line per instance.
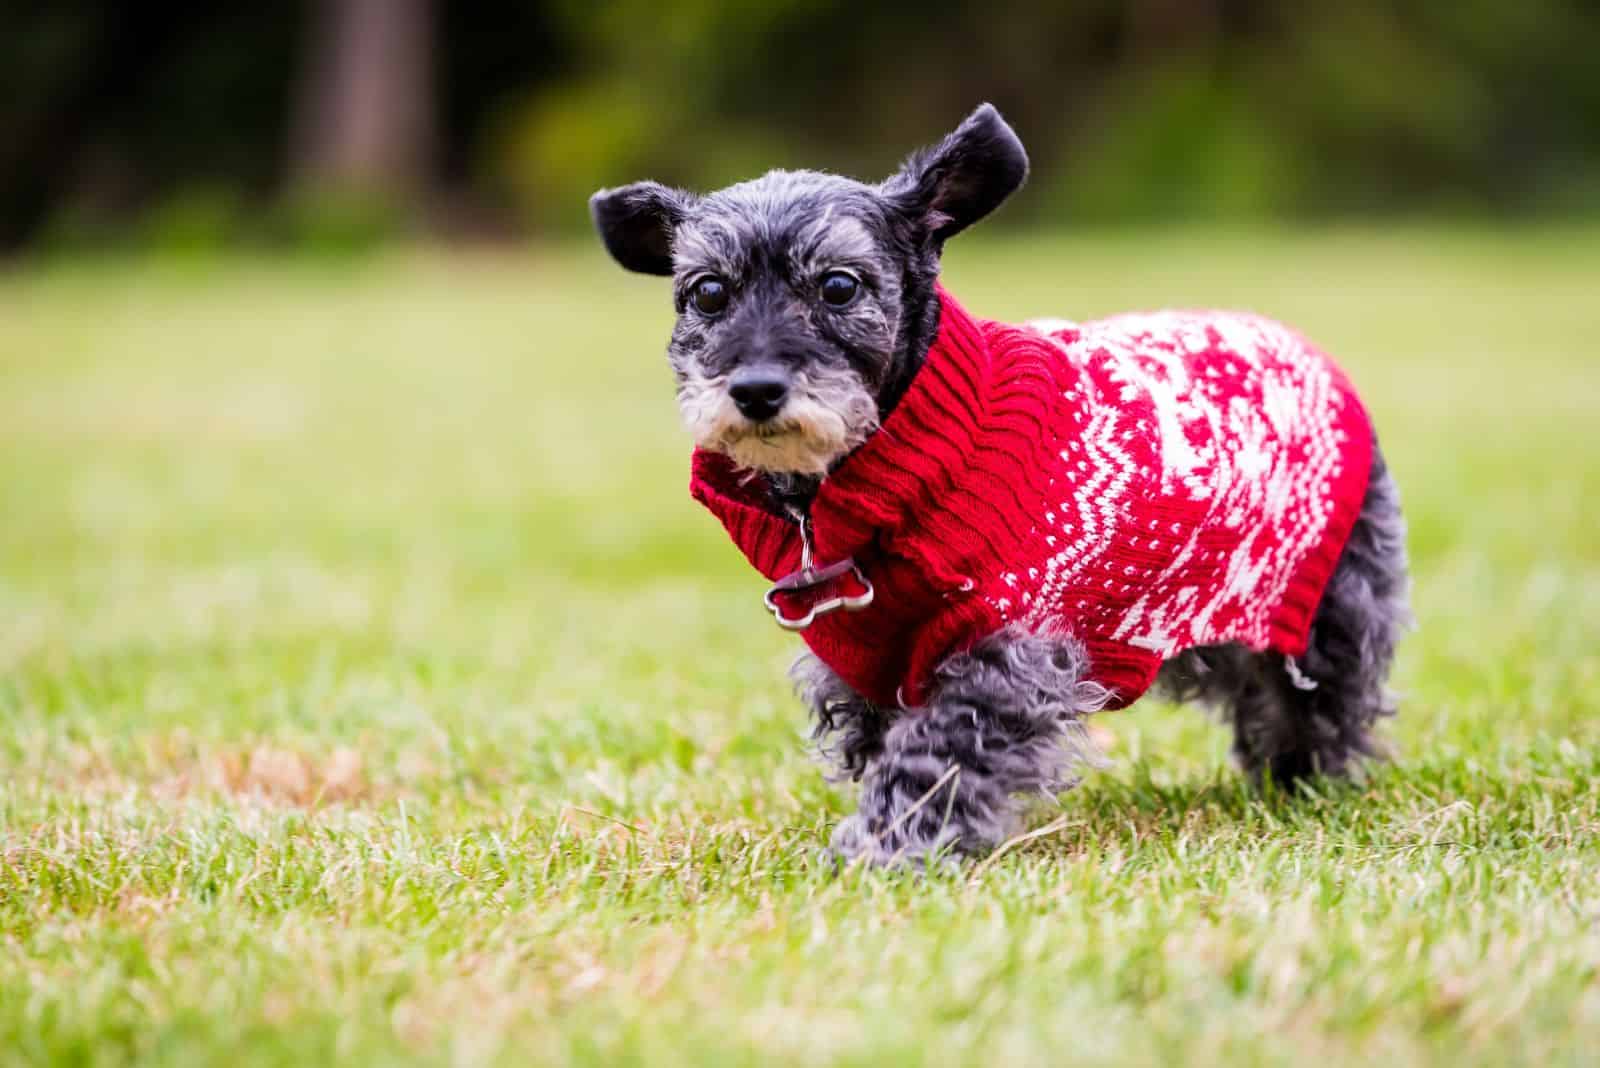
(371, 691)
(342, 121)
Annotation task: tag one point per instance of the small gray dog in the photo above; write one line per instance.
(994, 502)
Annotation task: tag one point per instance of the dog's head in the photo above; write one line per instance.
(806, 300)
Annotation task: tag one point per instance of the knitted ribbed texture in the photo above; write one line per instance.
(1146, 483)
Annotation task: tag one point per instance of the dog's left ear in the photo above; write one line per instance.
(965, 177)
(637, 222)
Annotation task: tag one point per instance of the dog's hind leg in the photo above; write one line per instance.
(1315, 715)
(1003, 719)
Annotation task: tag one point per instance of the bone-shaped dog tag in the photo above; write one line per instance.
(796, 600)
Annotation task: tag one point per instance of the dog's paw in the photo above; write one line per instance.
(854, 842)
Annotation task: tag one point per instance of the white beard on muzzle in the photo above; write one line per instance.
(823, 420)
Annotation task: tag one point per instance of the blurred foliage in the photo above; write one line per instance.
(1151, 108)
(1133, 109)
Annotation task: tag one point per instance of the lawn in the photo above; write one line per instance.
(371, 690)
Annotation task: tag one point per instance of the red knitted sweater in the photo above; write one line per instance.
(1146, 483)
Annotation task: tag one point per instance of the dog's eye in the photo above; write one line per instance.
(710, 295)
(839, 289)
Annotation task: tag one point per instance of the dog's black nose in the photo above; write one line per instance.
(758, 393)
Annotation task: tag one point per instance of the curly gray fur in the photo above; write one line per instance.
(1006, 715)
(847, 729)
(1290, 731)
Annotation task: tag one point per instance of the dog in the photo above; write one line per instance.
(987, 533)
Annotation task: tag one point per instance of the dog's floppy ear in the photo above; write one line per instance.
(636, 223)
(963, 178)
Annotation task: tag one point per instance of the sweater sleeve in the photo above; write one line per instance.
(770, 542)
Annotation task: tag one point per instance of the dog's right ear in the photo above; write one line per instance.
(637, 221)
(952, 185)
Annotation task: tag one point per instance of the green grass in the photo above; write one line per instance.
(371, 690)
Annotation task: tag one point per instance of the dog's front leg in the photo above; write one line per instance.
(1003, 719)
(847, 728)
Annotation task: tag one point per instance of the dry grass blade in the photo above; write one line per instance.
(1057, 824)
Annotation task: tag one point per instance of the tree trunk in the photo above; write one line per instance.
(365, 121)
